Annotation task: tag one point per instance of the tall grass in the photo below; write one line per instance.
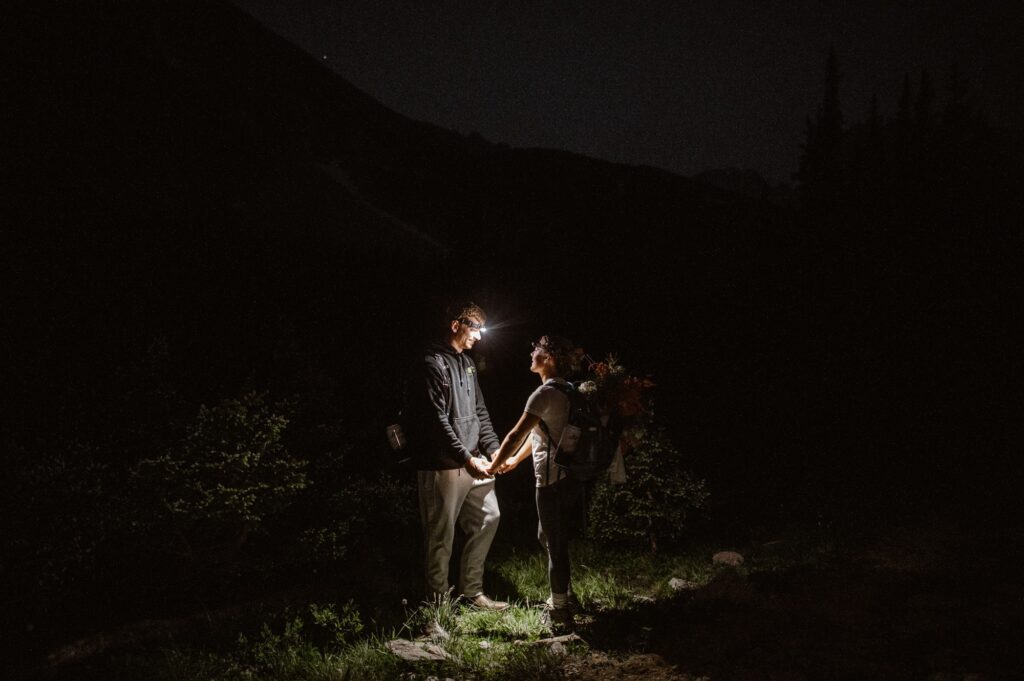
(603, 579)
(328, 642)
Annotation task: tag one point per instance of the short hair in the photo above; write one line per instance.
(464, 310)
(560, 350)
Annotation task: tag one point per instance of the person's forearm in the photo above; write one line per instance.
(524, 451)
(512, 443)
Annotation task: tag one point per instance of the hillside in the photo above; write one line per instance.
(184, 173)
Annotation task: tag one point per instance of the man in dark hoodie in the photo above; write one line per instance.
(457, 442)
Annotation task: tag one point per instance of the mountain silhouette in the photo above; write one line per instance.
(186, 179)
(182, 170)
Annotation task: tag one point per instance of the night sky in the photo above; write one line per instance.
(686, 86)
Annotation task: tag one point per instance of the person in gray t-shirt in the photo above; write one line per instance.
(540, 431)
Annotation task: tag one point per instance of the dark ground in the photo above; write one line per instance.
(931, 599)
(919, 601)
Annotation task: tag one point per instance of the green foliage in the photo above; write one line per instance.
(228, 474)
(516, 623)
(488, 659)
(360, 509)
(341, 626)
(527, 575)
(328, 642)
(443, 611)
(480, 646)
(604, 579)
(654, 504)
(60, 508)
(280, 652)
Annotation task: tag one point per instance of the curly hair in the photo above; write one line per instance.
(560, 350)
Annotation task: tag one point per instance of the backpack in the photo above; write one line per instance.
(405, 429)
(588, 442)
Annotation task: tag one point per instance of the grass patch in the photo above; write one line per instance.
(519, 622)
(526, 574)
(603, 579)
(330, 643)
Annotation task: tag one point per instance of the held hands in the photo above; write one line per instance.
(477, 468)
(498, 470)
(503, 467)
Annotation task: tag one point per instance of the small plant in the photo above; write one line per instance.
(654, 504)
(442, 612)
(340, 627)
(369, 660)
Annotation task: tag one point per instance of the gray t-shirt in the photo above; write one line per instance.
(552, 406)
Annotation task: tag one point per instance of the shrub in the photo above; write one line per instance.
(654, 504)
(356, 515)
(338, 624)
(228, 474)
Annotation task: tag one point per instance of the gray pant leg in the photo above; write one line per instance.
(441, 495)
(479, 520)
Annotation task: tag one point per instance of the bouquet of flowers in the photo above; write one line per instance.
(620, 396)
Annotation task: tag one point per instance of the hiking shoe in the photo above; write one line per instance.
(573, 605)
(557, 620)
(484, 603)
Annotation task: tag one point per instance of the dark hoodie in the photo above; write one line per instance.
(455, 424)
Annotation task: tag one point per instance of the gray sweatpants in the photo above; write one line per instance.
(451, 496)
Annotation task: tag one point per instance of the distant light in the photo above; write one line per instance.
(325, 56)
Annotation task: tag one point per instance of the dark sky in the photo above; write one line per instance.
(685, 85)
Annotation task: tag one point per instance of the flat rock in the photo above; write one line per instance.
(416, 651)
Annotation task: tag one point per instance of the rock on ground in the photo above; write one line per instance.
(727, 558)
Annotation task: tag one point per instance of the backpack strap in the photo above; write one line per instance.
(564, 389)
(446, 373)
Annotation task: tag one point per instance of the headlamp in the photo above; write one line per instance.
(476, 326)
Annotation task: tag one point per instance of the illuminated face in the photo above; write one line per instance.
(465, 333)
(537, 359)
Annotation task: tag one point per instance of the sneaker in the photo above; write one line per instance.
(573, 604)
(484, 603)
(557, 620)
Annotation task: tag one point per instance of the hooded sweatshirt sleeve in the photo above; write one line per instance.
(438, 395)
(489, 442)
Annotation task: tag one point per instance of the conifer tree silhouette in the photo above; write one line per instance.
(821, 162)
(903, 107)
(923, 103)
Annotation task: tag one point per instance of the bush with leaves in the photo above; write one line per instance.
(654, 504)
(355, 516)
(229, 474)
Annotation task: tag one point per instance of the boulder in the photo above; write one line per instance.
(727, 558)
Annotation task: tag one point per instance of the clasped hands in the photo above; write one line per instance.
(482, 468)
